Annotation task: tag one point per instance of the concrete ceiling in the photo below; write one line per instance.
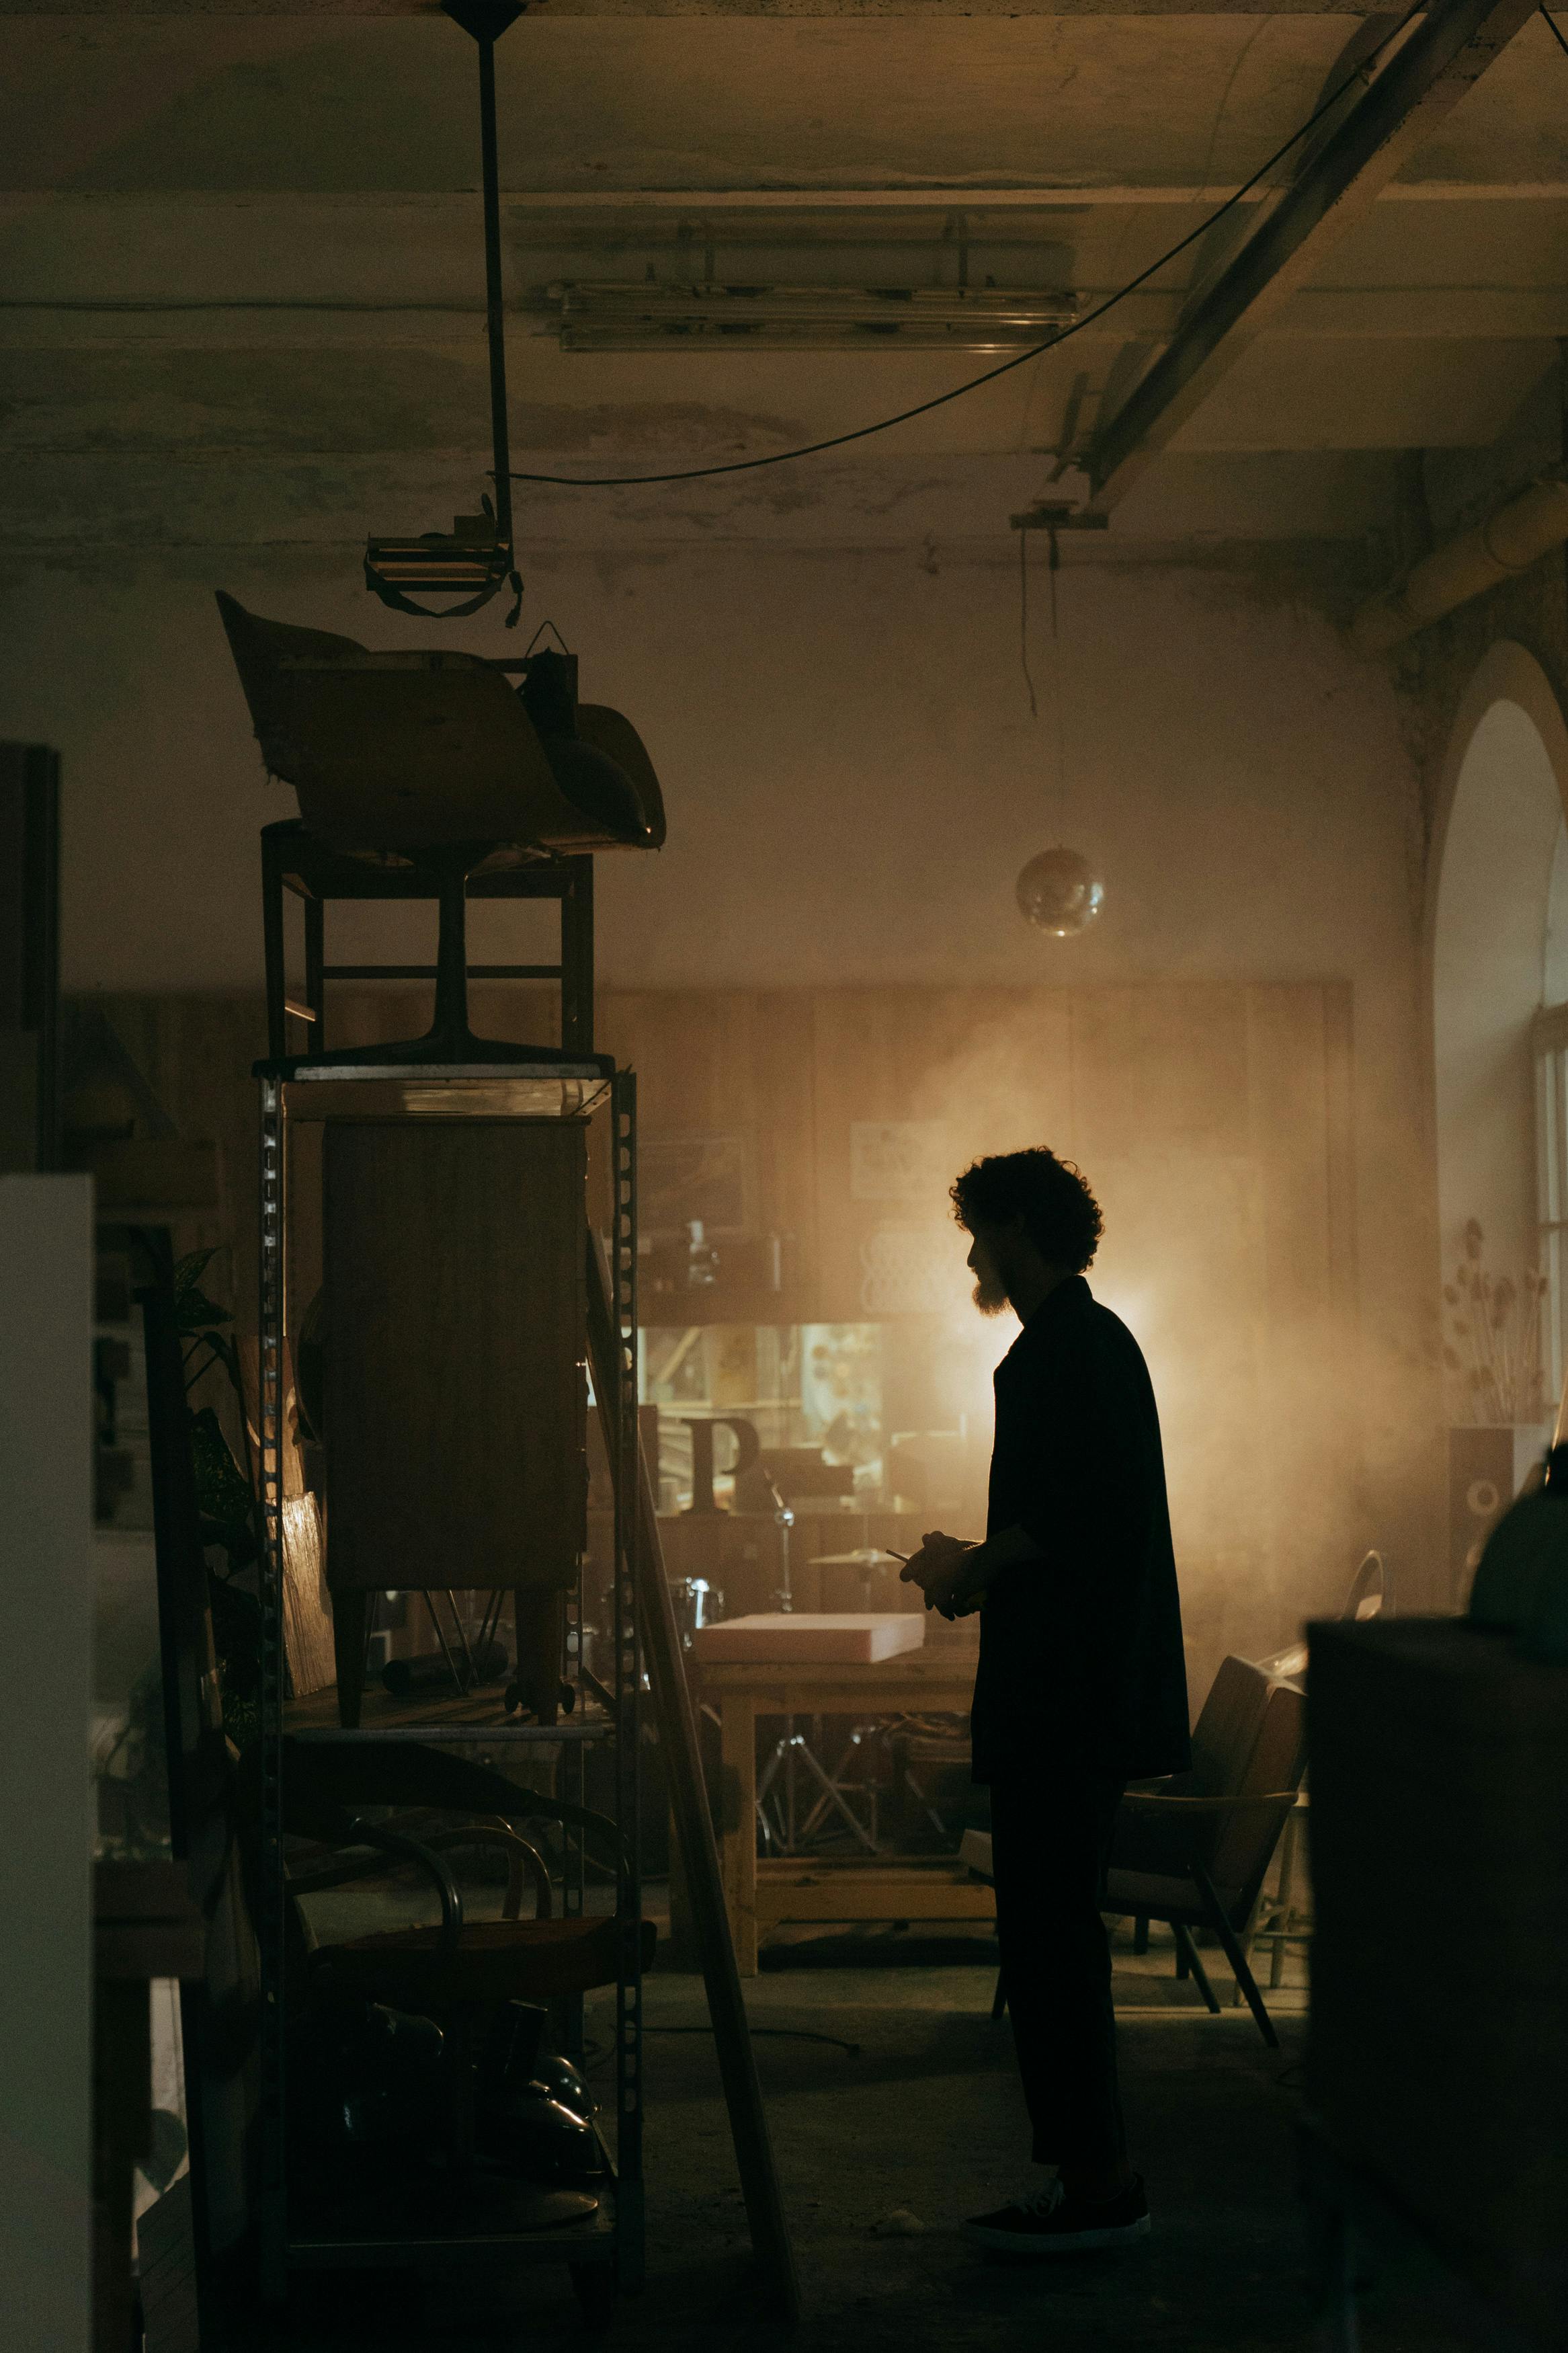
(241, 286)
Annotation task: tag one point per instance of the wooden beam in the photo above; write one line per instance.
(1449, 50)
(694, 1831)
(327, 10)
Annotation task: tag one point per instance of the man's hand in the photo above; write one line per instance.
(942, 1568)
(954, 1576)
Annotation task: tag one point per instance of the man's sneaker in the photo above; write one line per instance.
(1048, 2223)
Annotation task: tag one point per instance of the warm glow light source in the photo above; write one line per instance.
(1060, 892)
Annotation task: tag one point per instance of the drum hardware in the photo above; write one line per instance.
(696, 1604)
(783, 1520)
(783, 1828)
(861, 1738)
(792, 1756)
(867, 1559)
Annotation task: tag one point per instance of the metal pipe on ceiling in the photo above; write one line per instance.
(1517, 535)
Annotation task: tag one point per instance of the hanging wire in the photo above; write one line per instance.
(1020, 359)
(1058, 676)
(1551, 28)
(1058, 681)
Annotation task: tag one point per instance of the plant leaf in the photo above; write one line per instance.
(193, 1310)
(197, 1312)
(223, 1492)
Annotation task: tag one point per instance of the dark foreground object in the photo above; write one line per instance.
(1439, 1761)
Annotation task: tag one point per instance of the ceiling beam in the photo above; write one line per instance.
(32, 208)
(328, 9)
(1449, 50)
(1449, 314)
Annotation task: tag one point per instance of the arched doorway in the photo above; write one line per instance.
(1500, 977)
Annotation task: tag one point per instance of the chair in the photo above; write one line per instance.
(1371, 1595)
(1192, 1850)
(1286, 1918)
(427, 769)
(457, 1962)
(404, 752)
(460, 1972)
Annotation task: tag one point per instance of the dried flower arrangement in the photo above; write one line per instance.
(1496, 1322)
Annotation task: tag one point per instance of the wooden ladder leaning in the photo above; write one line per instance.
(694, 1830)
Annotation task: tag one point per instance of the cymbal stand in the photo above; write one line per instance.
(792, 1756)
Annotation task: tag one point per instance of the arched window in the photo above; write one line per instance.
(1501, 1037)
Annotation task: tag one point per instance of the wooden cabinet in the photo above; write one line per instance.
(453, 1348)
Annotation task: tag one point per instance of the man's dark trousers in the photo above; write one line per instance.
(1051, 1845)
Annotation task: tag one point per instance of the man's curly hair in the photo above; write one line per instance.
(1060, 1215)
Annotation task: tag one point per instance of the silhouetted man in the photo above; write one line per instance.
(1081, 1686)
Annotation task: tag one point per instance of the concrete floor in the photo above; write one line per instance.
(925, 2115)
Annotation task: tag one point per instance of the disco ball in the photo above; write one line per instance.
(1060, 892)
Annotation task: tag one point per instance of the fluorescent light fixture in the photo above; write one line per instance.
(631, 317)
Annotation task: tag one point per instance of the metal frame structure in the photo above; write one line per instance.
(580, 1088)
(1359, 150)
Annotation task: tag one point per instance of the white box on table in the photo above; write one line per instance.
(803, 1637)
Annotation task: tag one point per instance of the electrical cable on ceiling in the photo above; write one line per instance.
(1552, 26)
(1020, 359)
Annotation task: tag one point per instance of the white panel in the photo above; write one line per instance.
(46, 1697)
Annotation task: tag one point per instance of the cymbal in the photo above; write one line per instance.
(870, 1558)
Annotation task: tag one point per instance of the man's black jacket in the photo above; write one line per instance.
(1081, 1665)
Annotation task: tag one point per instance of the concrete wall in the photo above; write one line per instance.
(854, 779)
(853, 774)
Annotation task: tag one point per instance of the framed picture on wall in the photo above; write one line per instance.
(683, 1177)
(899, 1160)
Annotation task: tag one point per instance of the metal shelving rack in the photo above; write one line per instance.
(573, 1083)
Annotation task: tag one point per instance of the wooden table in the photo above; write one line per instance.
(760, 1893)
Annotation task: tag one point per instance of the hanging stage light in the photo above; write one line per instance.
(477, 557)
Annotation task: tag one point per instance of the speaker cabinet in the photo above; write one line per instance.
(1488, 1464)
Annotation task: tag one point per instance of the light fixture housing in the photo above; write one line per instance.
(627, 316)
